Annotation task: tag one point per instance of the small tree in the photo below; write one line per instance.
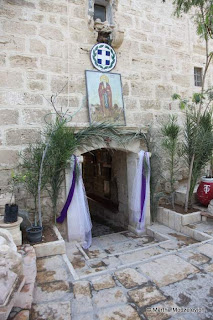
(203, 19)
(198, 142)
(170, 133)
(30, 167)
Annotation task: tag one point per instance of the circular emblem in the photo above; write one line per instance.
(103, 57)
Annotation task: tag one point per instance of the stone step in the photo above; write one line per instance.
(104, 256)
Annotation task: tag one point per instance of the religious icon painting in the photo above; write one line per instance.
(105, 97)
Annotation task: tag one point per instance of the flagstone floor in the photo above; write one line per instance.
(125, 277)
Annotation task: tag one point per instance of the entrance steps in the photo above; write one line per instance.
(121, 250)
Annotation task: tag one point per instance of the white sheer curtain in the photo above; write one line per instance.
(78, 215)
(137, 190)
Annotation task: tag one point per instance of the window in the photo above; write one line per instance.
(198, 77)
(99, 12)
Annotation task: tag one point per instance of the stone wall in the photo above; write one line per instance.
(44, 43)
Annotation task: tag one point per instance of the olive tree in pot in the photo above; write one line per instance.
(30, 167)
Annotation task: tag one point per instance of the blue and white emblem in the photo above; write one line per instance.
(103, 57)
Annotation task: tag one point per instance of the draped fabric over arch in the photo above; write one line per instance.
(140, 191)
(76, 208)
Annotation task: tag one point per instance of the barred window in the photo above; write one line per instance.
(198, 76)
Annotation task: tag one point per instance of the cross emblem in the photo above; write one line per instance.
(104, 57)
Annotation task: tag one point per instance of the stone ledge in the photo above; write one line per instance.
(51, 248)
(181, 223)
(175, 220)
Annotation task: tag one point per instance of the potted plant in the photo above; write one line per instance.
(170, 143)
(11, 209)
(205, 189)
(30, 168)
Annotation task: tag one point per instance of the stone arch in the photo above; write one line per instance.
(131, 151)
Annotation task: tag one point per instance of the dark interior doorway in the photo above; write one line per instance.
(105, 180)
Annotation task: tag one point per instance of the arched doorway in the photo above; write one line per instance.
(125, 160)
(105, 178)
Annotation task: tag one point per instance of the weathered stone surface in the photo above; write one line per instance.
(210, 208)
(37, 46)
(48, 263)
(35, 116)
(21, 136)
(103, 282)
(209, 268)
(51, 275)
(140, 255)
(108, 297)
(163, 272)
(82, 305)
(53, 64)
(56, 311)
(37, 86)
(194, 257)
(197, 291)
(2, 60)
(29, 264)
(85, 316)
(50, 248)
(22, 315)
(51, 33)
(8, 158)
(51, 291)
(18, 98)
(206, 249)
(56, 8)
(19, 28)
(9, 117)
(146, 296)
(23, 62)
(11, 80)
(130, 278)
(23, 3)
(25, 298)
(81, 289)
(118, 313)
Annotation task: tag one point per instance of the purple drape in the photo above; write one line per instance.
(143, 193)
(63, 214)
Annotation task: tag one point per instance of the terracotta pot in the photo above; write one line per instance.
(205, 191)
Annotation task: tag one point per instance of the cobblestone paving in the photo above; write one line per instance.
(123, 276)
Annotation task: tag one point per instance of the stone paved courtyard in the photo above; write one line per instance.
(123, 276)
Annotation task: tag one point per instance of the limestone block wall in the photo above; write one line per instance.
(46, 43)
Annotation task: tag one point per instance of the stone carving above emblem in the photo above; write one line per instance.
(103, 57)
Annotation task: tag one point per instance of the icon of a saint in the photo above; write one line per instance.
(105, 94)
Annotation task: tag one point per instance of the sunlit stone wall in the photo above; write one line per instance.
(44, 44)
